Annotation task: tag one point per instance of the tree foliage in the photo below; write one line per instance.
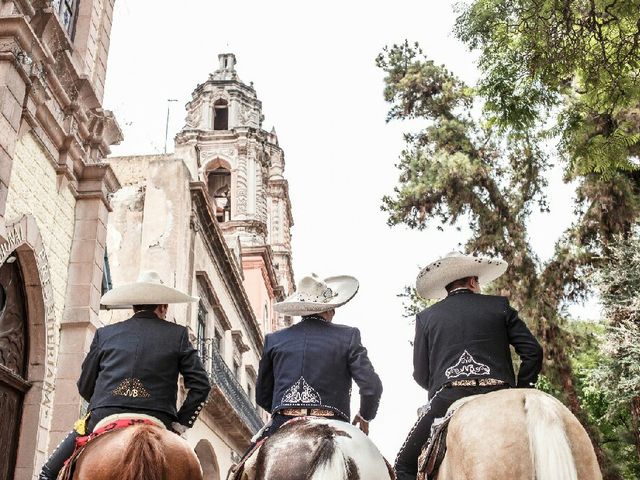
(576, 60)
(619, 373)
(461, 168)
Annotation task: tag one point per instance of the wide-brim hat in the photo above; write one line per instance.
(315, 295)
(433, 278)
(147, 290)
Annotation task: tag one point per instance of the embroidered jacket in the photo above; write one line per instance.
(312, 364)
(467, 336)
(135, 364)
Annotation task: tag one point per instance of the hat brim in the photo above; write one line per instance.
(433, 279)
(142, 293)
(345, 286)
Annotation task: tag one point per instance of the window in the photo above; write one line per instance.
(236, 370)
(265, 319)
(202, 331)
(221, 115)
(250, 394)
(217, 341)
(67, 11)
(219, 187)
(106, 274)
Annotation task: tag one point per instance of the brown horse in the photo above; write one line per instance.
(519, 434)
(138, 452)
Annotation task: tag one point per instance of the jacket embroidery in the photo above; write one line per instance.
(131, 387)
(301, 392)
(467, 366)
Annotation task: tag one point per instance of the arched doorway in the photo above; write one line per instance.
(13, 359)
(206, 455)
(28, 342)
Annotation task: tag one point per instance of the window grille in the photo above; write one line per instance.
(107, 284)
(202, 330)
(67, 11)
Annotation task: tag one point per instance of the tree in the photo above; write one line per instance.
(576, 60)
(462, 168)
(619, 282)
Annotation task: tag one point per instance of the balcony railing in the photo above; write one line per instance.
(222, 376)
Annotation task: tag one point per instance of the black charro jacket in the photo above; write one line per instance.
(312, 364)
(135, 364)
(467, 336)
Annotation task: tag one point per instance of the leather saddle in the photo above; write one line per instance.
(433, 451)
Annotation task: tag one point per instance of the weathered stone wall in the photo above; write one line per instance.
(35, 188)
(92, 39)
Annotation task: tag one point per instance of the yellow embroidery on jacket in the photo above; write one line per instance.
(131, 387)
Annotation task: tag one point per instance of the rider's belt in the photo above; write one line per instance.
(476, 382)
(304, 412)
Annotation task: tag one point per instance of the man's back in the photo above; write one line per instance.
(135, 364)
(467, 336)
(312, 364)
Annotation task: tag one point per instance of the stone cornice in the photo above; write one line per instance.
(61, 106)
(266, 254)
(214, 138)
(220, 253)
(98, 181)
(256, 226)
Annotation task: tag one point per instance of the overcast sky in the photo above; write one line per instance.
(312, 64)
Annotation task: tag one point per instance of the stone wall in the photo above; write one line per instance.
(35, 188)
(92, 39)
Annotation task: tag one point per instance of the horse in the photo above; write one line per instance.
(520, 434)
(138, 452)
(311, 448)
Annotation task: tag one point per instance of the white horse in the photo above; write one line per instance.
(317, 449)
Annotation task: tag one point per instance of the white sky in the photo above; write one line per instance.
(313, 68)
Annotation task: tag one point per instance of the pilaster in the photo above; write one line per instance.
(84, 289)
(13, 88)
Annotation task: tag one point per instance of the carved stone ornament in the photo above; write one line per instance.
(23, 237)
(12, 318)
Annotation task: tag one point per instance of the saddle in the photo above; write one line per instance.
(433, 451)
(106, 425)
(237, 470)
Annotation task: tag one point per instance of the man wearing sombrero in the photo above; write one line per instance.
(133, 366)
(307, 369)
(461, 346)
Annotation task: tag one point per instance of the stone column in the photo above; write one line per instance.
(80, 318)
(13, 88)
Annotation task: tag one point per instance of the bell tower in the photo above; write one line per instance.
(225, 146)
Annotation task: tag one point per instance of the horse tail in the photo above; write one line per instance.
(145, 457)
(329, 462)
(551, 453)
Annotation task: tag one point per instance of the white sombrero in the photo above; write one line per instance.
(148, 290)
(315, 295)
(433, 279)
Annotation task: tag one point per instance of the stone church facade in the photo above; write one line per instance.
(54, 188)
(213, 219)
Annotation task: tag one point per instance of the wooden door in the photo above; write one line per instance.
(13, 362)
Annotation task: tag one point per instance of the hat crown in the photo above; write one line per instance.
(150, 276)
(312, 287)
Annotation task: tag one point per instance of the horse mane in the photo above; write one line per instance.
(325, 451)
(145, 449)
(328, 461)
